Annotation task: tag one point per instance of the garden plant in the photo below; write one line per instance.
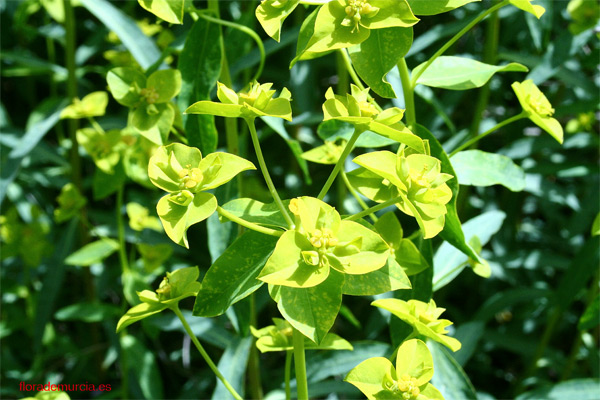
(390, 199)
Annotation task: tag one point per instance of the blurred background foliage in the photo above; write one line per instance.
(532, 325)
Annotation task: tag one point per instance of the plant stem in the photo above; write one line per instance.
(288, 366)
(121, 230)
(409, 95)
(248, 224)
(349, 145)
(265, 172)
(455, 38)
(247, 31)
(203, 353)
(300, 363)
(373, 209)
(348, 62)
(355, 194)
(484, 134)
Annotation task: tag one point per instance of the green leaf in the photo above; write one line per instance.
(373, 250)
(218, 109)
(154, 121)
(139, 312)
(449, 261)
(526, 6)
(369, 375)
(166, 82)
(104, 184)
(93, 252)
(232, 276)
(200, 66)
(334, 129)
(146, 371)
(124, 84)
(233, 367)
(177, 219)
(311, 310)
(92, 105)
(377, 55)
(479, 168)
(219, 168)
(449, 377)
(591, 317)
(169, 10)
(142, 47)
(580, 389)
(452, 231)
(433, 7)
(596, 226)
(459, 73)
(272, 13)
(87, 312)
(414, 359)
(259, 213)
(387, 278)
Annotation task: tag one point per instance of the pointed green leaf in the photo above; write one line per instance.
(478, 168)
(459, 73)
(138, 313)
(387, 278)
(449, 377)
(272, 13)
(218, 109)
(312, 310)
(92, 105)
(228, 166)
(93, 252)
(377, 55)
(169, 10)
(232, 277)
(433, 7)
(526, 6)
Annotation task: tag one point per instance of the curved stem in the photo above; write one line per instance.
(248, 224)
(203, 353)
(288, 366)
(373, 209)
(247, 31)
(455, 38)
(349, 145)
(484, 134)
(265, 172)
(355, 194)
(300, 363)
(409, 94)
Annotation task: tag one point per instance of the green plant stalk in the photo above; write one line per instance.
(409, 95)
(248, 224)
(121, 230)
(355, 194)
(343, 74)
(247, 31)
(489, 56)
(253, 360)
(373, 209)
(288, 367)
(338, 166)
(203, 353)
(455, 38)
(265, 172)
(484, 134)
(300, 364)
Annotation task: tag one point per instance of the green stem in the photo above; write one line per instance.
(121, 230)
(288, 367)
(484, 134)
(343, 74)
(446, 46)
(265, 172)
(300, 363)
(338, 166)
(203, 353)
(248, 224)
(95, 125)
(355, 194)
(247, 31)
(409, 95)
(373, 209)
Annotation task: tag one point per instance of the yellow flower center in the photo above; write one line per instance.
(323, 238)
(419, 177)
(406, 385)
(541, 106)
(190, 178)
(355, 10)
(150, 95)
(367, 109)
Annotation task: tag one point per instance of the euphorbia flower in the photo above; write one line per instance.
(378, 379)
(416, 178)
(321, 240)
(538, 108)
(181, 171)
(356, 109)
(258, 101)
(175, 286)
(423, 317)
(70, 202)
(92, 105)
(103, 147)
(344, 23)
(278, 337)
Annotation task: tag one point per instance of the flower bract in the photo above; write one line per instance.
(538, 108)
